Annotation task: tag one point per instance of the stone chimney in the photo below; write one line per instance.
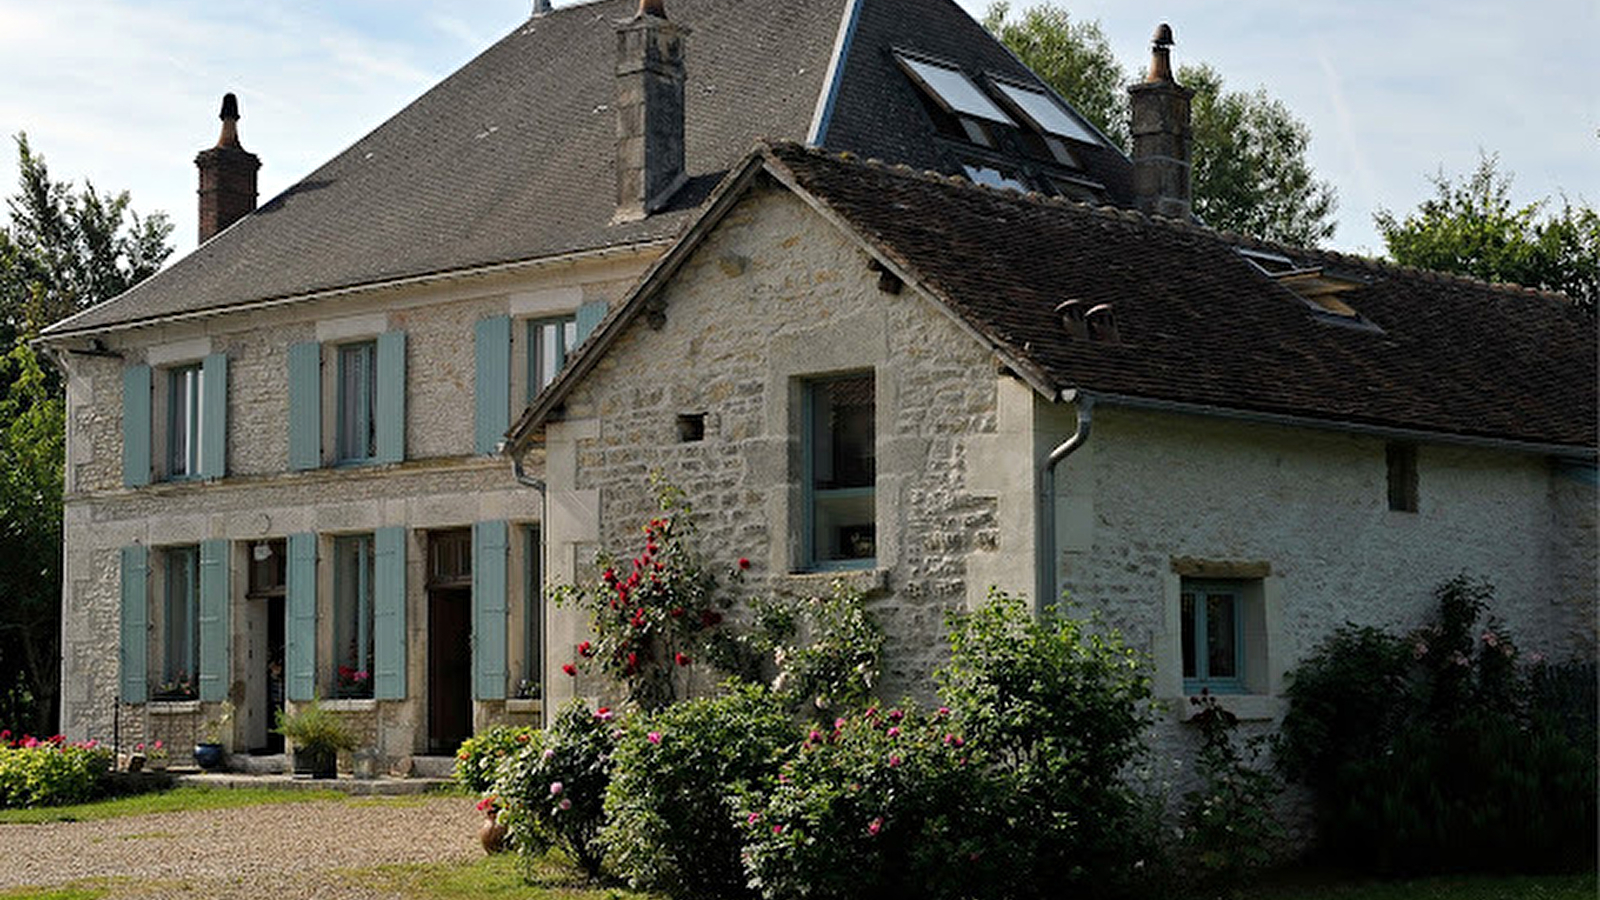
(227, 176)
(1161, 136)
(650, 79)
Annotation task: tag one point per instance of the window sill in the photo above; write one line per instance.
(872, 580)
(363, 705)
(172, 707)
(1247, 707)
(524, 705)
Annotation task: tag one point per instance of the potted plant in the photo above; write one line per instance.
(151, 758)
(318, 735)
(208, 752)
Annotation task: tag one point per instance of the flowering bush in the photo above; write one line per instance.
(878, 803)
(552, 789)
(671, 824)
(654, 615)
(49, 772)
(1229, 832)
(478, 760)
(351, 683)
(1433, 752)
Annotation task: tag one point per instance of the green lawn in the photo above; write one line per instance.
(66, 893)
(497, 877)
(175, 800)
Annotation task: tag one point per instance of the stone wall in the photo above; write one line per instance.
(776, 295)
(441, 484)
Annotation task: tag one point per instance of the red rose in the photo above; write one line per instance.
(744, 563)
(570, 669)
(681, 659)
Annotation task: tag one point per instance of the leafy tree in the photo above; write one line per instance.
(1471, 227)
(1250, 169)
(65, 250)
(61, 251)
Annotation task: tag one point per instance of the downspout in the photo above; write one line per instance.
(1049, 591)
(526, 480)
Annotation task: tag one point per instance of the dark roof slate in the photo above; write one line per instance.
(510, 158)
(1200, 325)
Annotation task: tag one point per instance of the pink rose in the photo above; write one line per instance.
(653, 737)
(556, 787)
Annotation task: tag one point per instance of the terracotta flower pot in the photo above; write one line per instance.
(492, 834)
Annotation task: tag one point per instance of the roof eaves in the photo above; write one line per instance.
(902, 268)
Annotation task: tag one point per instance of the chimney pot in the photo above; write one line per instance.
(227, 175)
(657, 8)
(540, 7)
(1161, 56)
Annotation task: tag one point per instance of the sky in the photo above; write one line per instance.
(124, 94)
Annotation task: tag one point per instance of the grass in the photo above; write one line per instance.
(494, 877)
(1452, 887)
(65, 893)
(176, 800)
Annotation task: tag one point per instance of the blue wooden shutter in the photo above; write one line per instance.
(589, 317)
(214, 416)
(389, 614)
(492, 388)
(489, 547)
(136, 426)
(214, 635)
(305, 405)
(134, 648)
(391, 405)
(300, 632)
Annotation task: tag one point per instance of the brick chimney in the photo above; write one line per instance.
(1161, 136)
(650, 79)
(227, 176)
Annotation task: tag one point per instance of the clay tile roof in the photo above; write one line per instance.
(1198, 323)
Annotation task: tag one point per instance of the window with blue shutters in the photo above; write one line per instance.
(136, 426)
(300, 634)
(389, 614)
(353, 619)
(492, 382)
(213, 613)
(550, 340)
(185, 404)
(356, 435)
(180, 624)
(135, 638)
(490, 548)
(305, 406)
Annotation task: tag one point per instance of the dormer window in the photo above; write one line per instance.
(1314, 286)
(979, 173)
(960, 107)
(1048, 117)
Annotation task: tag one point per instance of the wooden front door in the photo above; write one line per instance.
(449, 668)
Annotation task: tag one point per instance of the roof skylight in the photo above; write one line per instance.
(1314, 286)
(1045, 113)
(954, 90)
(987, 175)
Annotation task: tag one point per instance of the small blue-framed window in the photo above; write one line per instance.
(185, 411)
(358, 381)
(1212, 616)
(839, 472)
(549, 342)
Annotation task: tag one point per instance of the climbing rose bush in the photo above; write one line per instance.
(655, 614)
(552, 789)
(480, 757)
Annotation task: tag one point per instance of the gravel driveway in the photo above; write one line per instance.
(287, 850)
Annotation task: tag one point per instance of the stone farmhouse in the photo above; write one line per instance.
(339, 449)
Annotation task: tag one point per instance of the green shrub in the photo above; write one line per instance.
(552, 790)
(1058, 708)
(826, 650)
(50, 773)
(1459, 762)
(883, 804)
(671, 827)
(478, 760)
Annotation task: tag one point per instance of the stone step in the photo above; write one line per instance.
(383, 787)
(433, 766)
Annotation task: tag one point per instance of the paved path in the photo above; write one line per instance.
(277, 851)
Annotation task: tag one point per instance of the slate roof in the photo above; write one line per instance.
(1200, 325)
(510, 158)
